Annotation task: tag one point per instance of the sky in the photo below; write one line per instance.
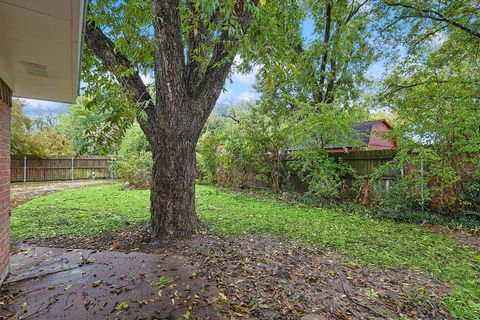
(238, 87)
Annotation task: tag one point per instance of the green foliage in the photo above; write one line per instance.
(90, 128)
(94, 210)
(208, 157)
(247, 138)
(315, 128)
(436, 98)
(432, 88)
(417, 24)
(266, 143)
(329, 65)
(399, 202)
(37, 137)
(322, 172)
(134, 162)
(260, 139)
(470, 198)
(20, 125)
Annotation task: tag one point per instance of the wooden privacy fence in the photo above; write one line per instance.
(59, 168)
(364, 162)
(367, 162)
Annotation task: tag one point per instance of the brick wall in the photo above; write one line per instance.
(5, 104)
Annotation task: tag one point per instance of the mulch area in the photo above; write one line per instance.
(266, 278)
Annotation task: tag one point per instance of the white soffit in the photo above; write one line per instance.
(40, 47)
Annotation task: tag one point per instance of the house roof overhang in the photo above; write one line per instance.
(41, 47)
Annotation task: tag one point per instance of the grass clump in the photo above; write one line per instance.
(162, 283)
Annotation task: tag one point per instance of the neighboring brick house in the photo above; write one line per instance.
(40, 54)
(373, 135)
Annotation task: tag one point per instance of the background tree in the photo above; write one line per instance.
(265, 140)
(20, 125)
(189, 47)
(433, 89)
(96, 124)
(36, 137)
(326, 65)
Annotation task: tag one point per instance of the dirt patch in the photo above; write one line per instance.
(265, 278)
(23, 192)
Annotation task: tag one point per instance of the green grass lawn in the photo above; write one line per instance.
(108, 208)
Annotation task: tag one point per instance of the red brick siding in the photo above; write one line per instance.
(5, 104)
(378, 139)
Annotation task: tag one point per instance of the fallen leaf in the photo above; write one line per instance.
(96, 283)
(122, 306)
(115, 245)
(87, 303)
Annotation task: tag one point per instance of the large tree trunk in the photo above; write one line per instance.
(172, 194)
(185, 93)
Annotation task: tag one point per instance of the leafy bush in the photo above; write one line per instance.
(470, 198)
(402, 203)
(322, 172)
(134, 162)
(208, 158)
(397, 202)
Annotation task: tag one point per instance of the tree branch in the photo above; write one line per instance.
(400, 87)
(104, 50)
(170, 69)
(326, 40)
(197, 38)
(222, 58)
(354, 10)
(436, 16)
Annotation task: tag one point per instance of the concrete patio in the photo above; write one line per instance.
(48, 283)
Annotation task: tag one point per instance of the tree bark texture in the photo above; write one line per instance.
(173, 189)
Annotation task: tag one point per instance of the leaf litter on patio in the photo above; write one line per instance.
(266, 278)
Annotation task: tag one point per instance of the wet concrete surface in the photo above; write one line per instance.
(55, 283)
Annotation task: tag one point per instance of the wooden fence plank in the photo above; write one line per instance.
(59, 168)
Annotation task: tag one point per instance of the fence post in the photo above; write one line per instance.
(25, 169)
(421, 185)
(110, 171)
(72, 167)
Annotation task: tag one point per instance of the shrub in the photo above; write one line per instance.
(208, 156)
(470, 198)
(134, 161)
(322, 173)
(398, 202)
(402, 203)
